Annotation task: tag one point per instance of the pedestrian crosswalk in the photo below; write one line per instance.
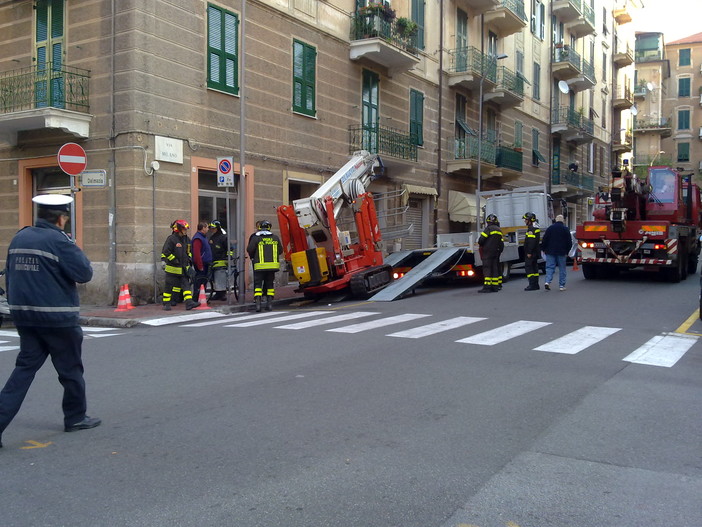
(662, 350)
(9, 338)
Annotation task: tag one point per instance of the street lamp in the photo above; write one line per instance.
(656, 156)
(480, 141)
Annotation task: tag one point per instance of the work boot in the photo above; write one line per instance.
(269, 303)
(531, 287)
(487, 289)
(166, 306)
(174, 302)
(257, 301)
(190, 304)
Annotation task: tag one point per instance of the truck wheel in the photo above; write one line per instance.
(672, 274)
(692, 263)
(590, 271)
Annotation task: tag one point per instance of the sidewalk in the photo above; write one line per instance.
(91, 315)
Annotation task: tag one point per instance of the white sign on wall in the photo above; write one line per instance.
(169, 150)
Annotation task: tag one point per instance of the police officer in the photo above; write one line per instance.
(532, 242)
(264, 249)
(491, 246)
(43, 267)
(218, 244)
(175, 256)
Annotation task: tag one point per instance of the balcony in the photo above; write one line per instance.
(586, 80)
(466, 155)
(509, 161)
(622, 146)
(640, 91)
(584, 24)
(477, 6)
(571, 183)
(383, 141)
(509, 90)
(622, 13)
(660, 126)
(658, 160)
(565, 62)
(508, 18)
(623, 99)
(566, 10)
(50, 96)
(572, 125)
(468, 65)
(378, 40)
(623, 55)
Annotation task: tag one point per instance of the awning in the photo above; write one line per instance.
(461, 206)
(416, 189)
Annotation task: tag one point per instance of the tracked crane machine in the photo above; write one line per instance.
(325, 258)
(652, 222)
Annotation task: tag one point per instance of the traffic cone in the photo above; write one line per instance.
(127, 296)
(122, 301)
(575, 264)
(202, 298)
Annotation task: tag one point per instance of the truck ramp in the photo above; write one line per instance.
(394, 259)
(417, 275)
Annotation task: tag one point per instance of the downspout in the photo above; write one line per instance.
(111, 165)
(549, 126)
(439, 140)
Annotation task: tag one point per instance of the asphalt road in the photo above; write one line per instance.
(336, 425)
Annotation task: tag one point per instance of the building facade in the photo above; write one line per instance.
(455, 96)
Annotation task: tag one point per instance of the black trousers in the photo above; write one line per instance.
(263, 283)
(63, 345)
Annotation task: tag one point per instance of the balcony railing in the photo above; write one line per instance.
(588, 70)
(50, 85)
(648, 55)
(650, 124)
(573, 179)
(509, 158)
(510, 81)
(472, 60)
(366, 26)
(588, 13)
(516, 6)
(569, 116)
(467, 148)
(382, 140)
(656, 159)
(566, 54)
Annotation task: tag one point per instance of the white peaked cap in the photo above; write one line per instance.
(53, 201)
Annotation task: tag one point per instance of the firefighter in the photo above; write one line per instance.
(491, 246)
(176, 257)
(218, 244)
(264, 249)
(532, 243)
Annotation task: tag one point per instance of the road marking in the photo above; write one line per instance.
(35, 444)
(182, 318)
(8, 333)
(100, 335)
(501, 334)
(329, 320)
(578, 340)
(688, 323)
(9, 348)
(436, 327)
(93, 329)
(381, 322)
(273, 319)
(229, 318)
(662, 350)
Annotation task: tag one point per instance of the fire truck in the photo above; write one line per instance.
(331, 240)
(651, 222)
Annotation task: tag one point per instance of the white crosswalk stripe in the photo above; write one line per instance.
(328, 320)
(304, 314)
(504, 333)
(89, 332)
(578, 340)
(382, 322)
(662, 350)
(436, 327)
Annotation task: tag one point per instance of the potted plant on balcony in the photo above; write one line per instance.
(406, 28)
(382, 10)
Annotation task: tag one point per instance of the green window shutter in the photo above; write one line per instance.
(222, 50)
(370, 117)
(418, 18)
(683, 119)
(56, 18)
(417, 117)
(684, 87)
(518, 126)
(684, 57)
(304, 78)
(683, 152)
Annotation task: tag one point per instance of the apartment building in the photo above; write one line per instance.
(456, 96)
(684, 104)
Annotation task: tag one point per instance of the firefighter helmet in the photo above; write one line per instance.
(215, 224)
(529, 216)
(265, 225)
(491, 219)
(180, 224)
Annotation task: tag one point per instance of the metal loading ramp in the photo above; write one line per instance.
(417, 275)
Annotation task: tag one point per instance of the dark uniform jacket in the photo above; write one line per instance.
(218, 244)
(176, 254)
(491, 242)
(532, 240)
(43, 267)
(265, 249)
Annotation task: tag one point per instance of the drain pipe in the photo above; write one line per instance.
(439, 140)
(111, 165)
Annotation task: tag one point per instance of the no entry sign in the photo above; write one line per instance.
(72, 159)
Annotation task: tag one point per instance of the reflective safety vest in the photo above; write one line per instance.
(265, 249)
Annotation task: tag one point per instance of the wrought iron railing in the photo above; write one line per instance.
(382, 140)
(467, 148)
(621, 46)
(656, 159)
(571, 117)
(588, 70)
(577, 4)
(573, 179)
(566, 54)
(624, 93)
(588, 14)
(640, 90)
(366, 26)
(651, 124)
(50, 85)
(510, 81)
(509, 158)
(472, 60)
(516, 6)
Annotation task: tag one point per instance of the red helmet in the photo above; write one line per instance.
(180, 224)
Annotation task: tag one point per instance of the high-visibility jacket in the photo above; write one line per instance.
(176, 253)
(491, 242)
(265, 249)
(532, 240)
(218, 244)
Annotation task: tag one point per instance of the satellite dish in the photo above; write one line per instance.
(634, 111)
(649, 86)
(563, 86)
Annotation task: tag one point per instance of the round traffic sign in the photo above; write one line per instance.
(72, 159)
(225, 166)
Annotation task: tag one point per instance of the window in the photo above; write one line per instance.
(304, 62)
(518, 130)
(604, 67)
(536, 89)
(684, 57)
(520, 63)
(684, 87)
(538, 19)
(605, 29)
(683, 119)
(683, 152)
(222, 50)
(591, 158)
(418, 17)
(416, 119)
(370, 117)
(49, 49)
(536, 156)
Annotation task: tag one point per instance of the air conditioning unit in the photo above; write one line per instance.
(700, 165)
(700, 132)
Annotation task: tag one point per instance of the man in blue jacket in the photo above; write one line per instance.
(43, 267)
(555, 244)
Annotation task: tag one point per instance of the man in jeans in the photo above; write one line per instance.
(555, 244)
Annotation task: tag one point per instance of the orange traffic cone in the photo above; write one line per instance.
(128, 297)
(122, 301)
(202, 298)
(575, 264)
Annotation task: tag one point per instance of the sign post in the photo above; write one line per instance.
(72, 160)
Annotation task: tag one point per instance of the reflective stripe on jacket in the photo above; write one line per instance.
(264, 249)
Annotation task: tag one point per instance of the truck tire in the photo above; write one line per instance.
(590, 271)
(672, 274)
(692, 261)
